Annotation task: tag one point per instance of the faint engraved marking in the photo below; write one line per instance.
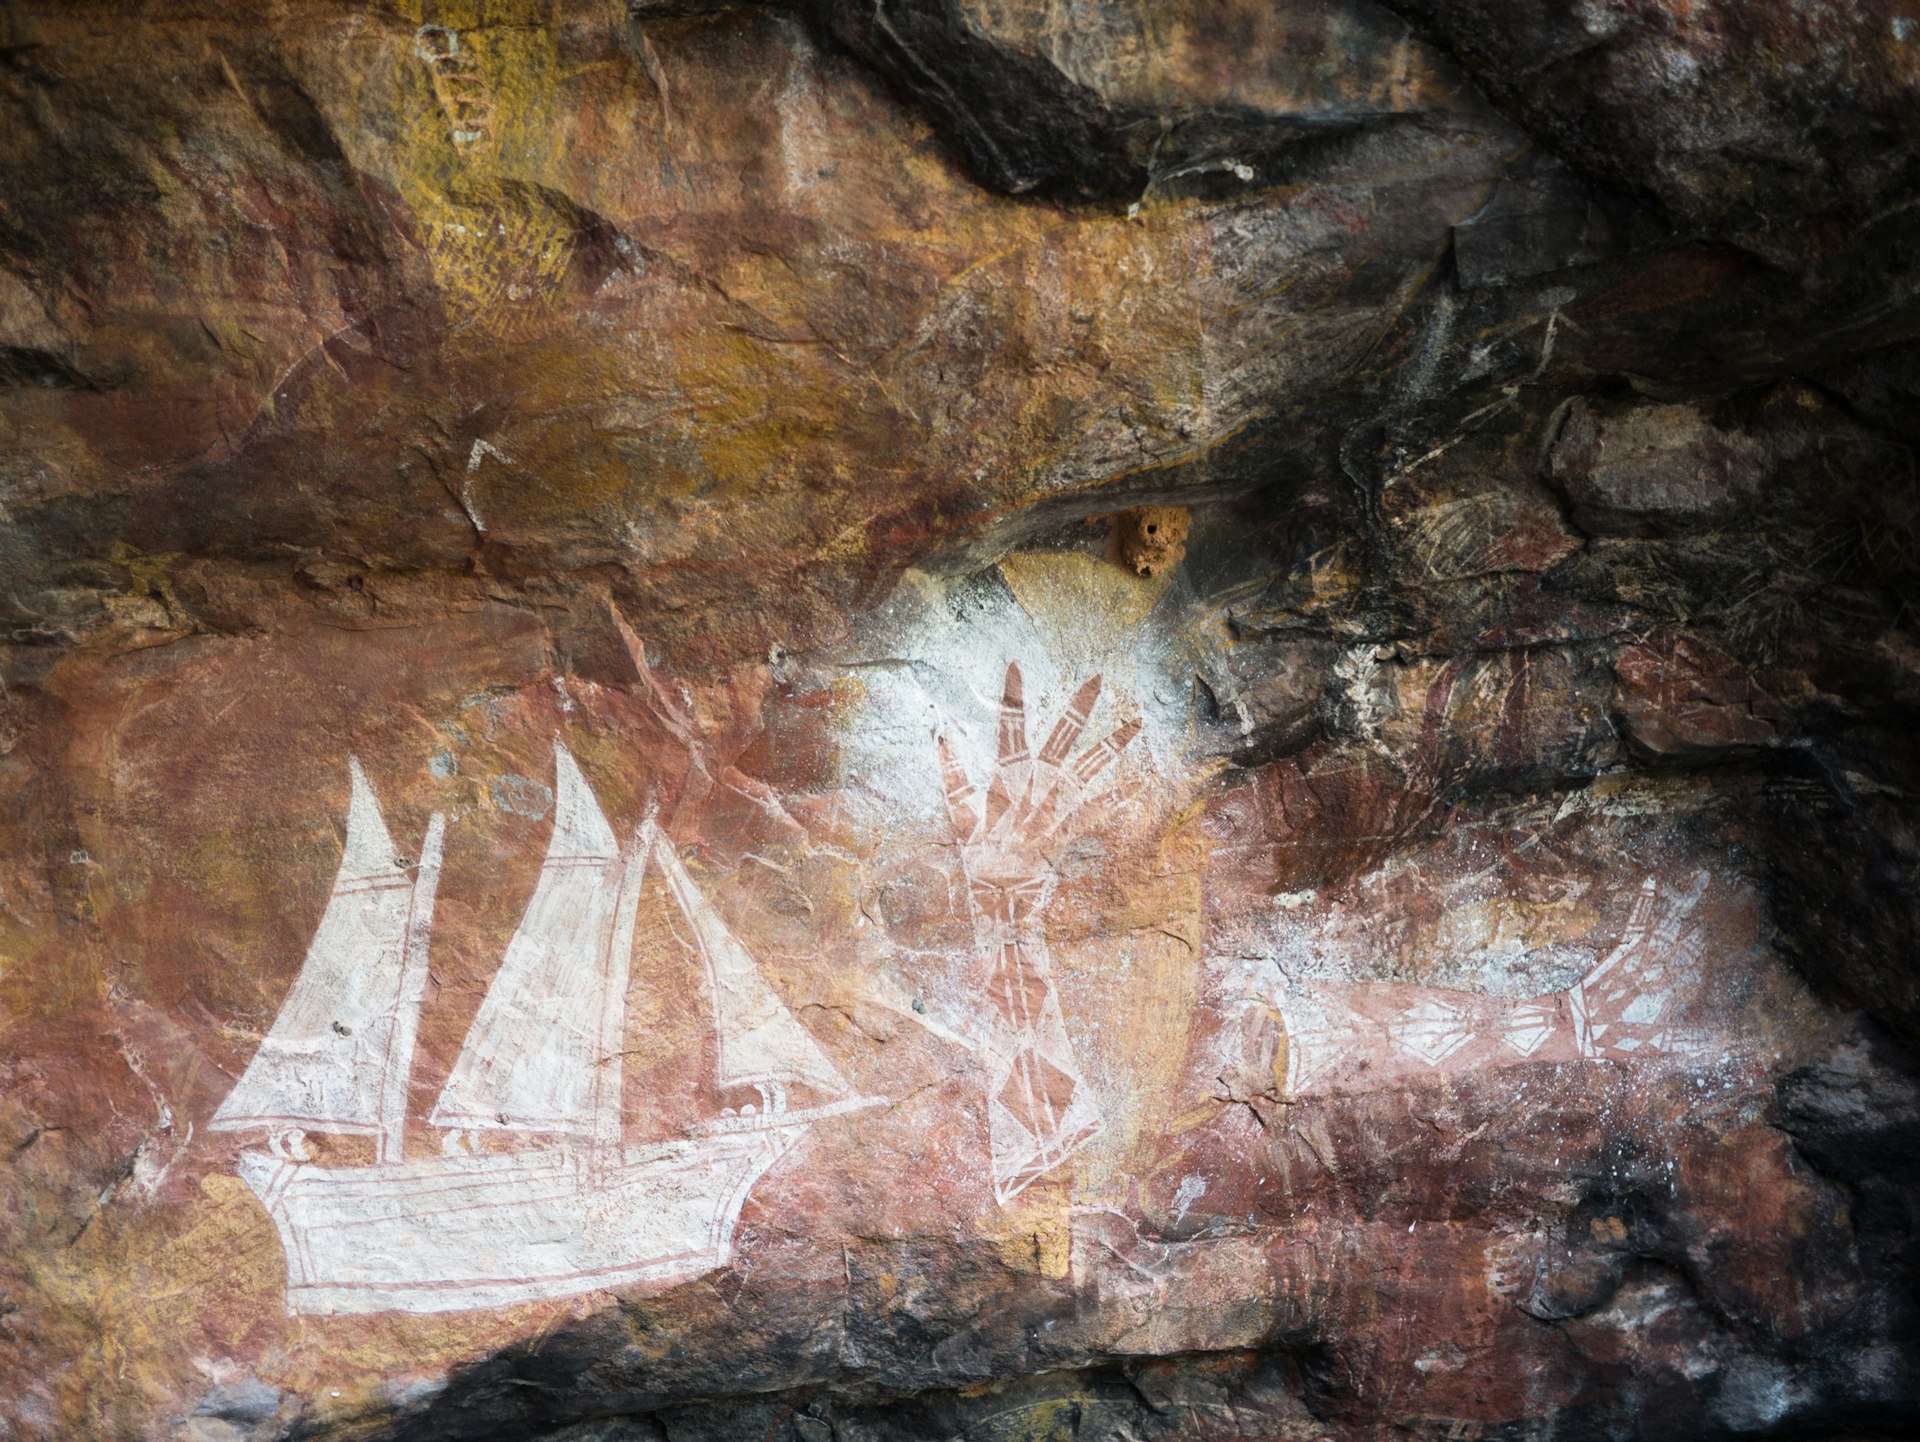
(1460, 537)
(494, 258)
(1192, 1188)
(1512, 1265)
(480, 451)
(496, 248)
(459, 84)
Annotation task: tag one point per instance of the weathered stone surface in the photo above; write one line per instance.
(1653, 468)
(1679, 696)
(1122, 99)
(1451, 976)
(1739, 115)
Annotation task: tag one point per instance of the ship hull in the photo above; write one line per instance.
(454, 1233)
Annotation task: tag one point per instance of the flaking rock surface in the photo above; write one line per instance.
(612, 826)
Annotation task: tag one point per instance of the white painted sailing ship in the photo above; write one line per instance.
(575, 1207)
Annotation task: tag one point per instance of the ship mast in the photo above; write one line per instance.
(398, 1071)
(617, 967)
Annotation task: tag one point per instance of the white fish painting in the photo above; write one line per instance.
(1360, 1035)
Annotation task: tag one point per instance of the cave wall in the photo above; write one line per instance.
(1261, 658)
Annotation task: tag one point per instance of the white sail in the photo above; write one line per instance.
(530, 1057)
(347, 1025)
(760, 1042)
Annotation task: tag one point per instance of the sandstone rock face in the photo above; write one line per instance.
(592, 848)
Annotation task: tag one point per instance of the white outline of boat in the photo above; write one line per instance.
(580, 1208)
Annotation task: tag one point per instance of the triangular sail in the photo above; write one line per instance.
(346, 1024)
(760, 1042)
(530, 1056)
